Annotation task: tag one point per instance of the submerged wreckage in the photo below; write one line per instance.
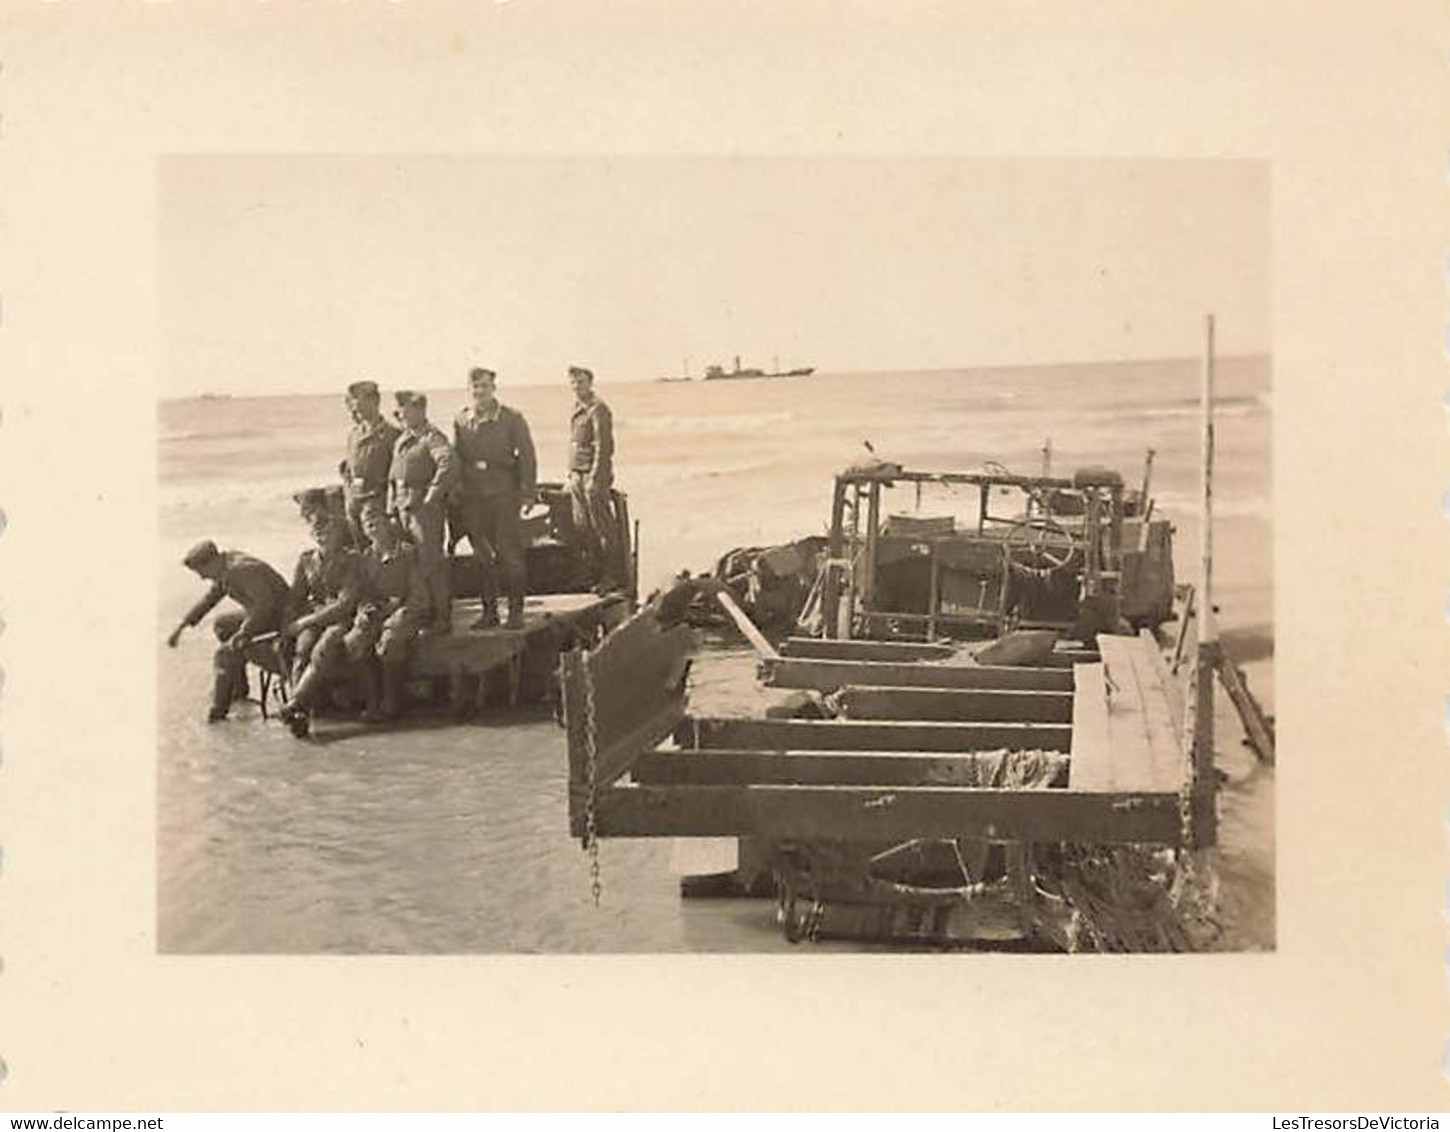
(988, 741)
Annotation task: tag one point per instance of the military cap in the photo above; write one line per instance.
(199, 555)
(363, 389)
(311, 499)
(482, 373)
(406, 397)
(580, 371)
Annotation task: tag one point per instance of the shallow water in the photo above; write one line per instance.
(452, 839)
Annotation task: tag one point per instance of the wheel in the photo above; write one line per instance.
(1034, 546)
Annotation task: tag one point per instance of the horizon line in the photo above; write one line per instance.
(819, 373)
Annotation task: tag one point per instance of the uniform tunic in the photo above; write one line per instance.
(423, 472)
(591, 442)
(366, 469)
(496, 452)
(253, 585)
(325, 591)
(422, 469)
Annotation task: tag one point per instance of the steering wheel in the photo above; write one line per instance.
(1032, 546)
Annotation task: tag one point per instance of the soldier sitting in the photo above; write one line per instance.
(390, 617)
(326, 588)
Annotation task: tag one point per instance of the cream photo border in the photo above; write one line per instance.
(1349, 105)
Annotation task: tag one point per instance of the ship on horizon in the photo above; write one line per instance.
(719, 373)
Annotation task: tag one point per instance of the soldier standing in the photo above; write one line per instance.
(326, 588)
(252, 584)
(496, 454)
(423, 473)
(591, 479)
(369, 457)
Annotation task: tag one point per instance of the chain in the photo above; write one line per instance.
(591, 819)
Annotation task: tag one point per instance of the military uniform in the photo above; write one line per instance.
(499, 471)
(326, 588)
(423, 472)
(591, 478)
(366, 470)
(260, 591)
(388, 620)
(395, 606)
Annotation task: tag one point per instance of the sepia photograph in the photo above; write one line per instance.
(806, 556)
(714, 554)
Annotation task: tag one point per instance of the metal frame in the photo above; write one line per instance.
(849, 586)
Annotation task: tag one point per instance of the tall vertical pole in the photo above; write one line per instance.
(1032, 500)
(1205, 783)
(835, 580)
(1148, 465)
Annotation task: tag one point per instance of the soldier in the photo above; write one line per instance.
(326, 588)
(496, 456)
(253, 585)
(320, 506)
(369, 458)
(391, 615)
(591, 478)
(423, 473)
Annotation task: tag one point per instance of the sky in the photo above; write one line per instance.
(301, 273)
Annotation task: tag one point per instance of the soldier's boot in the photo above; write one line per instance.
(488, 601)
(221, 696)
(296, 713)
(516, 606)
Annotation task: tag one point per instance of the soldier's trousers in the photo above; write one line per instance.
(496, 535)
(424, 524)
(385, 629)
(595, 523)
(323, 649)
(230, 666)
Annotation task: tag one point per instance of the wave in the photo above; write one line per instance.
(191, 435)
(733, 422)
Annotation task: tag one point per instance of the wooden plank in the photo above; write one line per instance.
(1186, 617)
(828, 675)
(1066, 657)
(746, 626)
(1091, 767)
(478, 651)
(1256, 725)
(1168, 765)
(863, 813)
(638, 681)
(840, 768)
(965, 705)
(863, 735)
(1145, 748)
(864, 650)
(1172, 685)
